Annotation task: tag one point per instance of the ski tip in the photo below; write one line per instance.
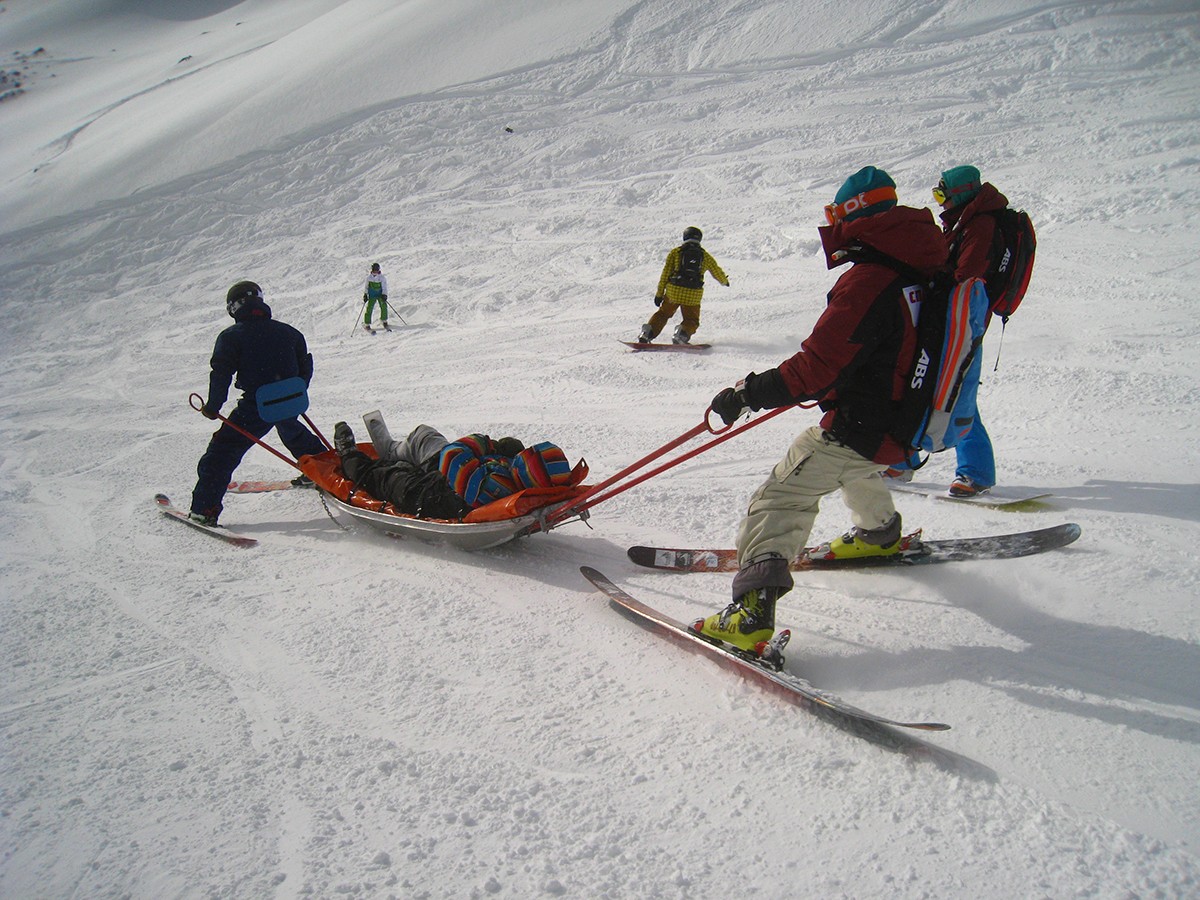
(595, 576)
(642, 556)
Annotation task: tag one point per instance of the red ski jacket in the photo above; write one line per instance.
(858, 356)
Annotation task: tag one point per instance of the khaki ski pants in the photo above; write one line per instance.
(780, 517)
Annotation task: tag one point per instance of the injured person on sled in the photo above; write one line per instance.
(428, 476)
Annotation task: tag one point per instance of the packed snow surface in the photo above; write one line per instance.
(336, 713)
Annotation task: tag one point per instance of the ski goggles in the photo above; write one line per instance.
(943, 194)
(836, 212)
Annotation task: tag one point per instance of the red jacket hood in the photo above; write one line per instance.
(906, 234)
(987, 200)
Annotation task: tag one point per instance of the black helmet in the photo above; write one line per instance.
(374, 267)
(239, 295)
(692, 233)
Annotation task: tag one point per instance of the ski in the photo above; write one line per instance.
(792, 687)
(638, 345)
(217, 531)
(914, 551)
(994, 498)
(260, 487)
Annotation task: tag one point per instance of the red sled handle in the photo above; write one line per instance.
(601, 492)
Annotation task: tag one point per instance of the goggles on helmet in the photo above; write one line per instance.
(836, 212)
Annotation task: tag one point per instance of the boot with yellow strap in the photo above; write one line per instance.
(747, 623)
(860, 542)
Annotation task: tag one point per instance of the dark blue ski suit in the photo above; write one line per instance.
(257, 350)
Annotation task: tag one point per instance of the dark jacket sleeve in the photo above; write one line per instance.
(304, 360)
(224, 365)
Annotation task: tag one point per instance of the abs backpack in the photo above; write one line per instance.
(690, 273)
(1012, 261)
(941, 394)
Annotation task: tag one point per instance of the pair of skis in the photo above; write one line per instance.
(767, 669)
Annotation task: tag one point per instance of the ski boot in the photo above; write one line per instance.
(343, 439)
(747, 624)
(861, 542)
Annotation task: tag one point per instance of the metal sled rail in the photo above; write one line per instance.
(463, 535)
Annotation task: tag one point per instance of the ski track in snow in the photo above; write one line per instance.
(337, 713)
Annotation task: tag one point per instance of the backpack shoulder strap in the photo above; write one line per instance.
(867, 254)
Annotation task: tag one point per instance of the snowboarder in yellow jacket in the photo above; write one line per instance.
(681, 287)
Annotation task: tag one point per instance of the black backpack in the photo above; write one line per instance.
(1010, 261)
(690, 273)
(939, 401)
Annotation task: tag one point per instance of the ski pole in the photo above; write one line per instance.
(398, 316)
(357, 313)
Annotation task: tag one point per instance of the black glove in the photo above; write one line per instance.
(658, 301)
(208, 413)
(364, 298)
(385, 298)
(731, 404)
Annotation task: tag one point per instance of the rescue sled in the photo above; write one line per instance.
(526, 512)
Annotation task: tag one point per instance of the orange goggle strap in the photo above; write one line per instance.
(836, 212)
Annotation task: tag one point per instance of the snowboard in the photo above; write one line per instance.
(994, 498)
(217, 531)
(914, 551)
(669, 348)
(792, 687)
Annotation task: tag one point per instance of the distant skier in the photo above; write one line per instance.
(375, 291)
(258, 350)
(681, 287)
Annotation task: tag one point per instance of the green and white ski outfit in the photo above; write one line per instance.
(375, 291)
